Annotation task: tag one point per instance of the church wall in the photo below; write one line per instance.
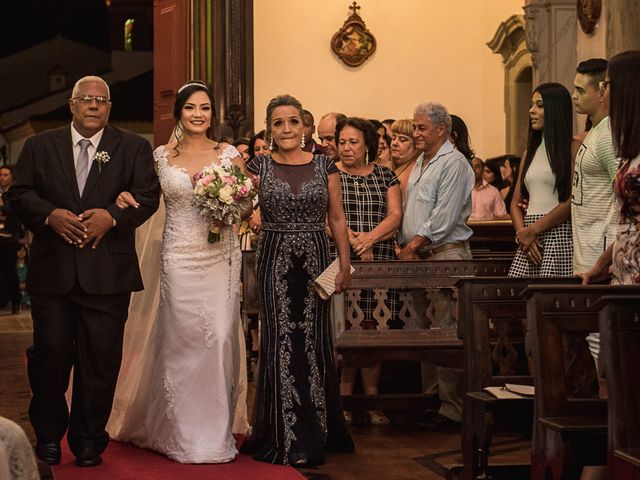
(426, 51)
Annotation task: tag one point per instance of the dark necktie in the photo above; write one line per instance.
(82, 167)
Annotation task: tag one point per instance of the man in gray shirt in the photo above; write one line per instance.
(434, 227)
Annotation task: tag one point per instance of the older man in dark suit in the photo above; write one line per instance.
(83, 266)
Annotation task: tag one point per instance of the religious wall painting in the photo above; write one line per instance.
(353, 43)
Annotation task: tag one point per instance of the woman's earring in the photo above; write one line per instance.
(271, 144)
(366, 158)
(302, 143)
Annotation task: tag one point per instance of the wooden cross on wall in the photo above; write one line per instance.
(355, 7)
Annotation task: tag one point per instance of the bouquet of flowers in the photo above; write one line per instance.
(220, 193)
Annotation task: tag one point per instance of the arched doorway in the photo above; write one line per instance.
(509, 42)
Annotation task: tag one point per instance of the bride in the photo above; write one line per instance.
(182, 380)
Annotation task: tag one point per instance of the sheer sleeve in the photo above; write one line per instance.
(330, 165)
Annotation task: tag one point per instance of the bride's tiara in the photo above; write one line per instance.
(188, 84)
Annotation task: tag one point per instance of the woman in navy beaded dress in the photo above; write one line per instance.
(298, 411)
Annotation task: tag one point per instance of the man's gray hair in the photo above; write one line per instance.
(89, 78)
(437, 113)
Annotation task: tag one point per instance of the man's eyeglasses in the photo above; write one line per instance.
(604, 84)
(88, 99)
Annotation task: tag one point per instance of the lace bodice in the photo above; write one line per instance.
(185, 230)
(293, 193)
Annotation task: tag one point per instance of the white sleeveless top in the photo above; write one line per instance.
(541, 182)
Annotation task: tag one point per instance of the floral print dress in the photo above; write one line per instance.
(625, 267)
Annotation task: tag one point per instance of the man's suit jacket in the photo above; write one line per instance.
(45, 179)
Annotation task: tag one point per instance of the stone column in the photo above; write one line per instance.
(623, 26)
(550, 26)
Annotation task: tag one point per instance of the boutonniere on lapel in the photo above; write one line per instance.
(101, 158)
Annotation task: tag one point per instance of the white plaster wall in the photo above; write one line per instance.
(427, 50)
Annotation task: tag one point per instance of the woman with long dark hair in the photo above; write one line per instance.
(180, 382)
(460, 137)
(543, 235)
(511, 169)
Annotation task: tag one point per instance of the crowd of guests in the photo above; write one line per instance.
(561, 195)
(405, 189)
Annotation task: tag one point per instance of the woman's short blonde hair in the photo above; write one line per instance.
(403, 127)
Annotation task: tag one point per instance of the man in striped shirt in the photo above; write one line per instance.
(593, 210)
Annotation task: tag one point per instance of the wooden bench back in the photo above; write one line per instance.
(491, 315)
(560, 318)
(620, 347)
(492, 238)
(404, 276)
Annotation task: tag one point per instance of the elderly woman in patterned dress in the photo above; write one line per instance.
(372, 203)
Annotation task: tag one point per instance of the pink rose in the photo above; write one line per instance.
(207, 180)
(230, 180)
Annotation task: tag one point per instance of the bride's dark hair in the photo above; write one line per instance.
(182, 95)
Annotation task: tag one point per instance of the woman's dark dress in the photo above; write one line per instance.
(298, 411)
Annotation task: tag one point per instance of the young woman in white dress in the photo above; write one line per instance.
(183, 378)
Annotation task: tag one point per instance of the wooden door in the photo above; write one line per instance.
(170, 62)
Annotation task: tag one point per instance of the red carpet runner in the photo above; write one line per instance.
(123, 461)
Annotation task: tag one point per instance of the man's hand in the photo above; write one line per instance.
(68, 226)
(98, 222)
(407, 254)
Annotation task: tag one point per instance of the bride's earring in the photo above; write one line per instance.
(302, 143)
(271, 144)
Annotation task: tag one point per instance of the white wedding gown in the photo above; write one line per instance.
(183, 381)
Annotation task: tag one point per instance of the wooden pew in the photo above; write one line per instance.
(492, 238)
(491, 313)
(362, 347)
(570, 421)
(620, 349)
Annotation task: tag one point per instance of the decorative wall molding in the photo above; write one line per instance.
(510, 43)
